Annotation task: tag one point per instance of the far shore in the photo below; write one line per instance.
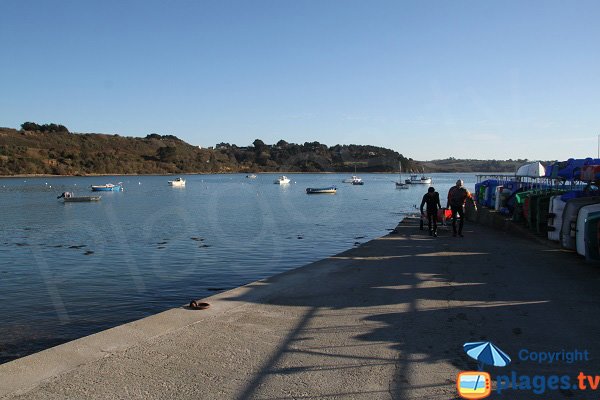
(245, 173)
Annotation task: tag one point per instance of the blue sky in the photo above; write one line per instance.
(430, 79)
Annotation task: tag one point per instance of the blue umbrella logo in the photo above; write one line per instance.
(486, 353)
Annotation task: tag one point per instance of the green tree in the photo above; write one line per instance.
(30, 126)
(259, 146)
(167, 154)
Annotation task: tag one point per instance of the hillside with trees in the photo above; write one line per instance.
(52, 149)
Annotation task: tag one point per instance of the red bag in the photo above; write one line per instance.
(443, 214)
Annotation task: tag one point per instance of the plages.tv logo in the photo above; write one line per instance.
(478, 384)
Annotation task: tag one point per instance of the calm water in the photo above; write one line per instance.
(69, 270)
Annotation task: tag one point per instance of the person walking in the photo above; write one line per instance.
(432, 199)
(457, 196)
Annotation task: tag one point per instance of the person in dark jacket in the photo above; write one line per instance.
(457, 196)
(432, 200)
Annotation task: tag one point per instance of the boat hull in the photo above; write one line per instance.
(569, 220)
(555, 212)
(592, 239)
(81, 199)
(329, 190)
(583, 216)
(103, 188)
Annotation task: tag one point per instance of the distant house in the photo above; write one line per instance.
(221, 146)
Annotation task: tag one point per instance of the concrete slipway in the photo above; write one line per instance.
(384, 320)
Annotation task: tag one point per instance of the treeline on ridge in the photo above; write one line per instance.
(32, 126)
(52, 149)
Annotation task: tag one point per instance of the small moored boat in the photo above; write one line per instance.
(352, 179)
(177, 182)
(414, 179)
(69, 197)
(251, 176)
(282, 180)
(399, 183)
(109, 187)
(325, 190)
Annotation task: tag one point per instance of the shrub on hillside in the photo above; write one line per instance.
(32, 126)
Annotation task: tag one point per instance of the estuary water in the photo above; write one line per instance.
(69, 270)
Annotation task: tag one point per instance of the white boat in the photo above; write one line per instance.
(531, 170)
(584, 215)
(399, 183)
(353, 179)
(251, 176)
(414, 179)
(568, 231)
(282, 180)
(555, 212)
(177, 182)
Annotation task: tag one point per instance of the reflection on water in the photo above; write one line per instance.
(68, 270)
